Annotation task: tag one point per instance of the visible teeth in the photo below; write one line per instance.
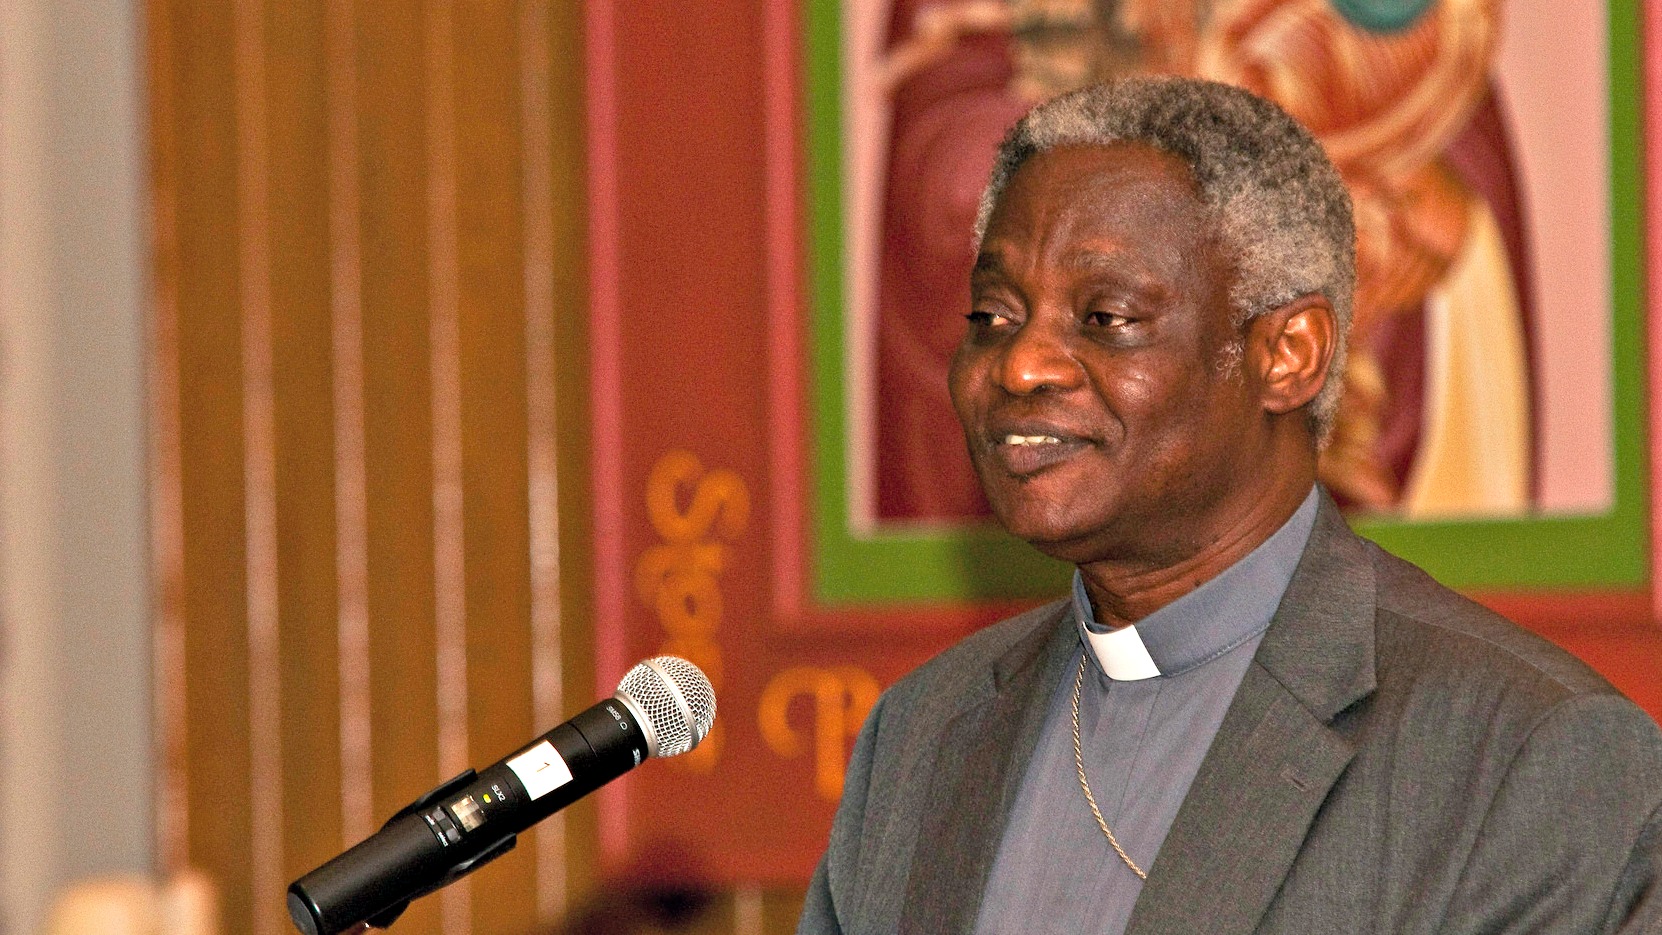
(1032, 440)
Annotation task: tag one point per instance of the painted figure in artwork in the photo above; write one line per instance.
(1437, 412)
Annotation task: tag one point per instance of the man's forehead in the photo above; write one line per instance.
(1096, 207)
(1098, 256)
(1129, 174)
(1128, 160)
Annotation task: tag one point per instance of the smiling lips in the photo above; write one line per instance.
(1029, 454)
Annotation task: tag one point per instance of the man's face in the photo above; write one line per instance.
(1099, 383)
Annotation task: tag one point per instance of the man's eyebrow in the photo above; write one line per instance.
(986, 261)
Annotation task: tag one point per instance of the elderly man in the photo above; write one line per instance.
(1245, 719)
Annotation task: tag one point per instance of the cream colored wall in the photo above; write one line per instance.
(75, 756)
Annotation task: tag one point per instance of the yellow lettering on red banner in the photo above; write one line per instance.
(717, 497)
(679, 577)
(841, 697)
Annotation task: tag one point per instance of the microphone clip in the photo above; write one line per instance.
(431, 801)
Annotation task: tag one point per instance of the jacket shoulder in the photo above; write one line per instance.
(1428, 635)
(965, 671)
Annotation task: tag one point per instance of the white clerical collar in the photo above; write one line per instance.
(1122, 655)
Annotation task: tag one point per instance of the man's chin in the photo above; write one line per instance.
(1056, 536)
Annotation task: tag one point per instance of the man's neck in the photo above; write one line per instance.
(1125, 591)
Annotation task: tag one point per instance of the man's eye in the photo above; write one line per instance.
(981, 318)
(1106, 320)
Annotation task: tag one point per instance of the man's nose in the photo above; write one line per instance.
(1039, 358)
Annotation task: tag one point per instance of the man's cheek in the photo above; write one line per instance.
(961, 388)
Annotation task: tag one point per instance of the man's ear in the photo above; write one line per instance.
(1289, 348)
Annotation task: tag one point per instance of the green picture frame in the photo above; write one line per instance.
(1606, 551)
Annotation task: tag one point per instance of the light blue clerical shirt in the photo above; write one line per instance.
(1151, 703)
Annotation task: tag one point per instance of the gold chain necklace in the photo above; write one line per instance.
(1079, 761)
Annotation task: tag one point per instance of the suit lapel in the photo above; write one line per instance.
(1275, 756)
(1245, 817)
(979, 763)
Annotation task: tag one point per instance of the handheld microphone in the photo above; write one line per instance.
(663, 707)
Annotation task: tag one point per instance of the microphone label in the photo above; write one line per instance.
(540, 770)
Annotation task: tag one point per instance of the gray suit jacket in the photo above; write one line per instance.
(1397, 759)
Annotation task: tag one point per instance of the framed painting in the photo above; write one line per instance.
(1493, 432)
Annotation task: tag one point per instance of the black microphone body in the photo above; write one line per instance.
(468, 821)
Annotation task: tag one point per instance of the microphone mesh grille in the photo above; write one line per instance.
(661, 700)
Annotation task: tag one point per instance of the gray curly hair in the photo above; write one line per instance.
(1280, 209)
